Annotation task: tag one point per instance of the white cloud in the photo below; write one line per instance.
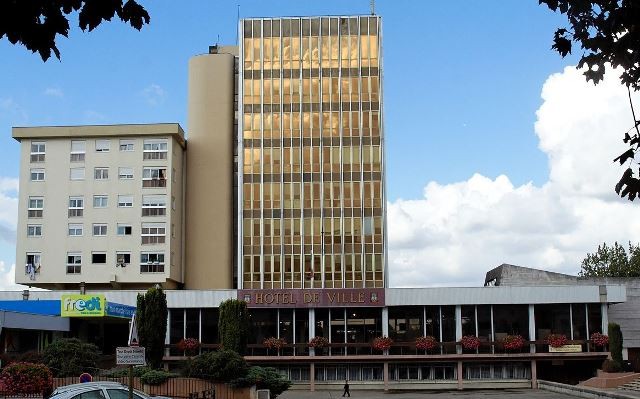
(13, 110)
(8, 209)
(7, 278)
(458, 231)
(154, 94)
(54, 92)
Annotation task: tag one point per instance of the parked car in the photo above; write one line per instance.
(99, 390)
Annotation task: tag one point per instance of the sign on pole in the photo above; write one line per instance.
(131, 356)
(133, 332)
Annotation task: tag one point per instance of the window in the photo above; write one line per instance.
(125, 173)
(77, 150)
(126, 145)
(34, 230)
(75, 229)
(99, 258)
(76, 206)
(95, 394)
(121, 394)
(76, 173)
(154, 177)
(102, 145)
(36, 205)
(123, 259)
(153, 233)
(32, 264)
(101, 173)
(154, 205)
(99, 229)
(155, 149)
(152, 262)
(37, 174)
(100, 201)
(37, 151)
(125, 201)
(74, 263)
(124, 229)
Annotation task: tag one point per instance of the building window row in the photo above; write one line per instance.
(151, 177)
(150, 262)
(153, 149)
(151, 233)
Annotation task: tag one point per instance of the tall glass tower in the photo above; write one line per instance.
(312, 196)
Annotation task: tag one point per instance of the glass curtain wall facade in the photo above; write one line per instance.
(312, 186)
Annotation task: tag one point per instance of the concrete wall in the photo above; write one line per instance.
(209, 201)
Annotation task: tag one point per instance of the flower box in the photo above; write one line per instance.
(513, 342)
(382, 343)
(599, 339)
(274, 343)
(426, 343)
(318, 342)
(470, 342)
(556, 340)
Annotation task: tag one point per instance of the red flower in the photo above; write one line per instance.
(556, 340)
(513, 342)
(274, 343)
(426, 343)
(382, 343)
(26, 378)
(318, 342)
(599, 339)
(189, 345)
(470, 342)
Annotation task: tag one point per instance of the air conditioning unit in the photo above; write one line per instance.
(262, 394)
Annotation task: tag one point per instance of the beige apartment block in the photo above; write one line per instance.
(101, 205)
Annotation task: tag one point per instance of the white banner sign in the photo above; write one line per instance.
(130, 356)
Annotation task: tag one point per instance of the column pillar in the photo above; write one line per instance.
(385, 375)
(458, 316)
(312, 331)
(604, 309)
(312, 377)
(534, 374)
(385, 321)
(532, 328)
(459, 375)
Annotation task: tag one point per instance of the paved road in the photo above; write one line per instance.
(491, 394)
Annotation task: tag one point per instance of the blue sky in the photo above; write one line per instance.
(463, 83)
(462, 79)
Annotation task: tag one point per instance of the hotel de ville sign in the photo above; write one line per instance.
(313, 298)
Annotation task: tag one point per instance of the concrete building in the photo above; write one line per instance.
(626, 313)
(101, 206)
(278, 199)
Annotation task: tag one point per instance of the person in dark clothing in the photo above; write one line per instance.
(346, 389)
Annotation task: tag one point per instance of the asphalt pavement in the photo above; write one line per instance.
(495, 394)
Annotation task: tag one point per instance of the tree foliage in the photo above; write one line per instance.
(265, 378)
(612, 262)
(615, 344)
(233, 325)
(151, 319)
(70, 357)
(35, 24)
(608, 34)
(222, 366)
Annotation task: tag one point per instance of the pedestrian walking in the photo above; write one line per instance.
(346, 389)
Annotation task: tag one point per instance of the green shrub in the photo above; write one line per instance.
(124, 372)
(264, 378)
(610, 366)
(26, 378)
(615, 343)
(155, 377)
(69, 357)
(233, 325)
(222, 366)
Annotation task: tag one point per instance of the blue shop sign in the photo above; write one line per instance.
(120, 310)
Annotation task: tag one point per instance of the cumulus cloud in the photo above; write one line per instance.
(54, 92)
(154, 95)
(458, 231)
(7, 278)
(8, 209)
